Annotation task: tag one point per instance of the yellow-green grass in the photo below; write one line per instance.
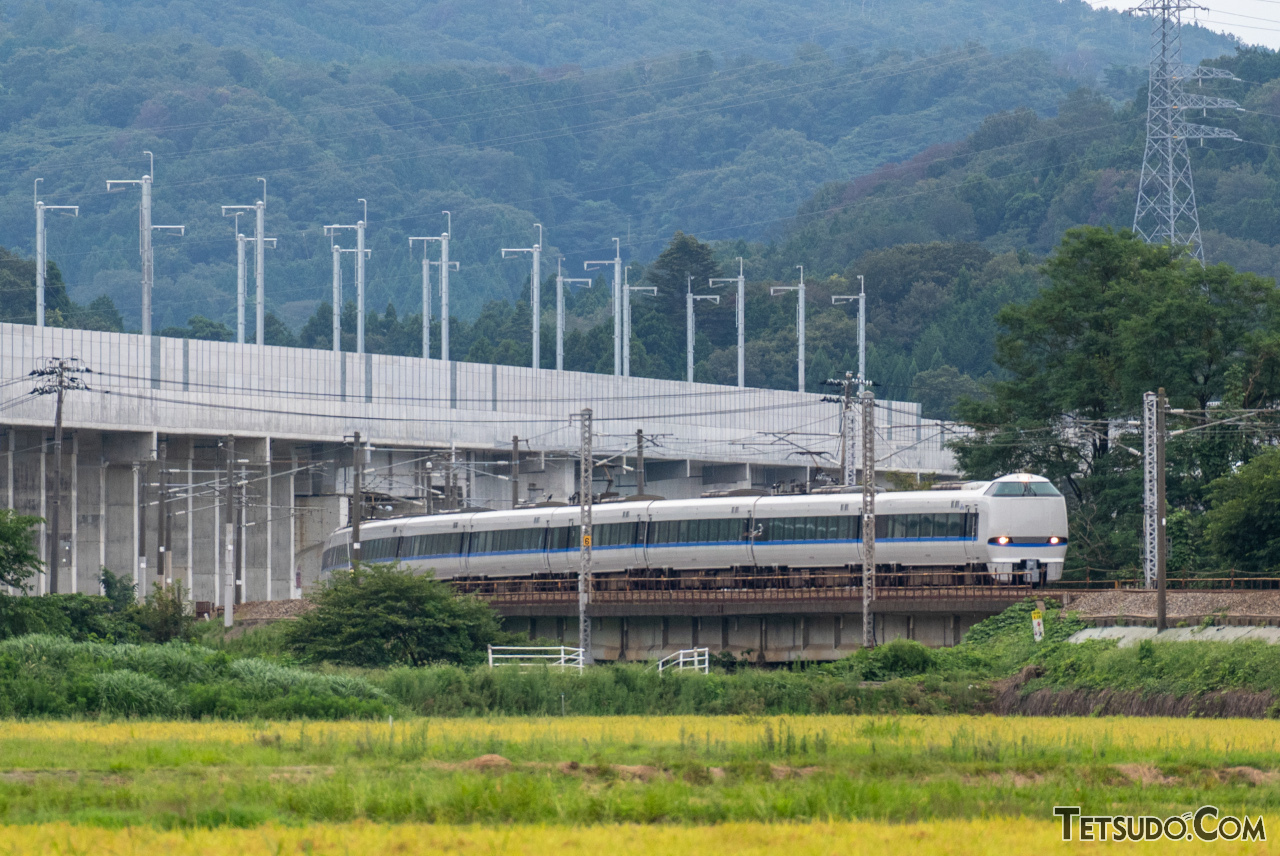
(661, 770)
(1000, 837)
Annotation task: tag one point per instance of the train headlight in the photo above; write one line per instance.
(1054, 539)
(1002, 540)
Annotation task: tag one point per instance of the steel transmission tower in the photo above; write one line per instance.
(1166, 210)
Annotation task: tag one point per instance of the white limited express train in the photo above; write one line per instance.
(1010, 530)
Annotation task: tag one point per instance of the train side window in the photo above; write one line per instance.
(926, 525)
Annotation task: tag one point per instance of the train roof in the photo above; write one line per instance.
(702, 503)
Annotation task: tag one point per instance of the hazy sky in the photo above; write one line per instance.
(1256, 22)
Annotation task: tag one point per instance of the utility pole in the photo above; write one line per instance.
(240, 536)
(361, 255)
(337, 298)
(426, 293)
(445, 266)
(515, 471)
(430, 490)
(561, 282)
(585, 503)
(229, 537)
(617, 301)
(162, 507)
(689, 298)
(848, 461)
(58, 376)
(1155, 405)
(240, 282)
(260, 243)
(640, 485)
(42, 255)
(799, 289)
(535, 292)
(337, 293)
(868, 402)
(358, 461)
(861, 297)
(1166, 208)
(627, 290)
(145, 228)
(740, 311)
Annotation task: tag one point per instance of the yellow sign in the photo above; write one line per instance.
(1036, 614)
(586, 540)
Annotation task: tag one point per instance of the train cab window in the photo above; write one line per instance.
(1019, 488)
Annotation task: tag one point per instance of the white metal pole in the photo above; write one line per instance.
(862, 334)
(535, 298)
(742, 326)
(148, 257)
(40, 262)
(240, 285)
(800, 328)
(688, 328)
(337, 298)
(426, 304)
(444, 291)
(559, 318)
(740, 312)
(360, 288)
(626, 324)
(259, 268)
(617, 307)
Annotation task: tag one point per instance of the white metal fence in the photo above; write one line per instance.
(551, 656)
(687, 659)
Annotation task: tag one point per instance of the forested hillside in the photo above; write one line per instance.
(551, 33)
(723, 142)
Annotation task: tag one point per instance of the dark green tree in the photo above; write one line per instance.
(381, 615)
(1243, 521)
(19, 559)
(1119, 317)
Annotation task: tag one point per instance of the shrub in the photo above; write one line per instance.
(380, 615)
(132, 694)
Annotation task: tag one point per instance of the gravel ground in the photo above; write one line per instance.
(1189, 604)
(270, 610)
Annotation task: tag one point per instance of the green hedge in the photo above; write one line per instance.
(43, 675)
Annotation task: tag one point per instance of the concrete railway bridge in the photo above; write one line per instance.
(144, 464)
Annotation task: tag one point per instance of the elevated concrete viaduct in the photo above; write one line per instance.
(293, 411)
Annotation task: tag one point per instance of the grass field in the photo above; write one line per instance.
(902, 778)
(1001, 837)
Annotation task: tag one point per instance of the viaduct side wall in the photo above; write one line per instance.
(290, 410)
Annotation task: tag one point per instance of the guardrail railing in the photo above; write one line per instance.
(687, 659)
(551, 656)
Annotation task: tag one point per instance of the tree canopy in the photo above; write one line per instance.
(19, 558)
(1117, 318)
(380, 615)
